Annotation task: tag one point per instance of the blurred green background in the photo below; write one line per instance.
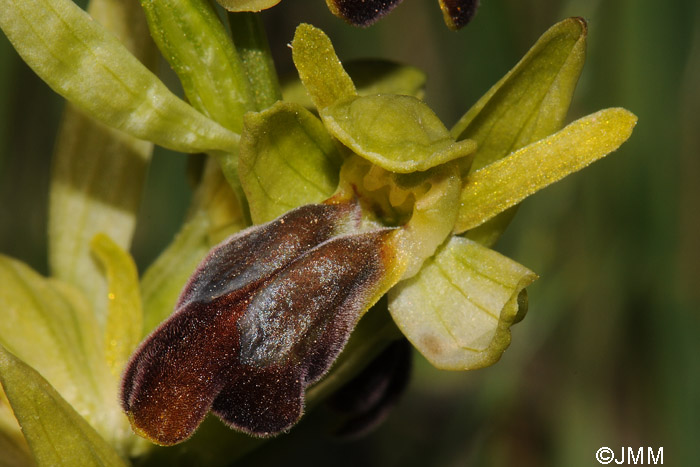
(609, 354)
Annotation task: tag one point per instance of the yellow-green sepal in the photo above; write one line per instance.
(529, 103)
(504, 183)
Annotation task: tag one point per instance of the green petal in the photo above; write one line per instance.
(398, 133)
(458, 310)
(319, 68)
(371, 76)
(508, 181)
(287, 160)
(247, 5)
(531, 101)
(86, 64)
(192, 38)
(56, 433)
(124, 315)
(527, 104)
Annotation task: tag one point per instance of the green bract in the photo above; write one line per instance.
(83, 62)
(415, 208)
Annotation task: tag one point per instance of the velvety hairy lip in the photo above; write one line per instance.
(264, 316)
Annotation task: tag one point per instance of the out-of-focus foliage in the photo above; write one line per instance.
(607, 354)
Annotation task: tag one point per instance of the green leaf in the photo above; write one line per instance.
(371, 76)
(247, 5)
(193, 40)
(458, 310)
(319, 68)
(530, 102)
(398, 133)
(87, 65)
(124, 314)
(56, 433)
(287, 159)
(506, 182)
(98, 172)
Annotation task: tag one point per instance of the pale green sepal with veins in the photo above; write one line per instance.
(55, 432)
(458, 309)
(124, 313)
(496, 187)
(397, 133)
(287, 159)
(87, 65)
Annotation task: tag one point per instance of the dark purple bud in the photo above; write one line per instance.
(458, 13)
(367, 399)
(264, 316)
(361, 12)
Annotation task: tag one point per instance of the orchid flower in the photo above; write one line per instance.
(332, 216)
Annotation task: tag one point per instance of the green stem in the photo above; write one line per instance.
(250, 39)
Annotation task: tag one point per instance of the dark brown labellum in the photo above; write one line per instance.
(264, 316)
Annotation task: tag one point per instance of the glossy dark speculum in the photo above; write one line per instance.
(264, 316)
